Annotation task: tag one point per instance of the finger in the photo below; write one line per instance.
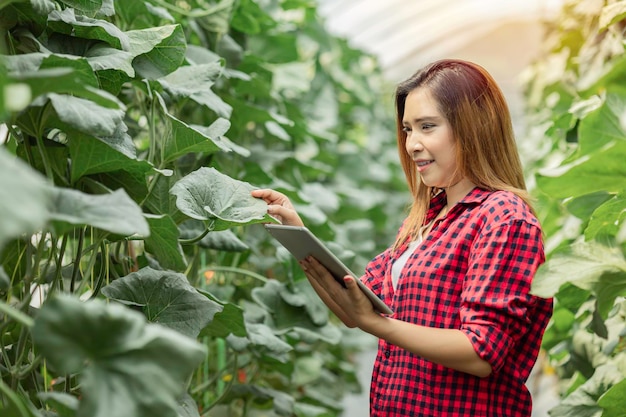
(261, 193)
(286, 215)
(329, 295)
(270, 196)
(360, 300)
(323, 275)
(350, 282)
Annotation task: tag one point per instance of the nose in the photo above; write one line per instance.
(413, 143)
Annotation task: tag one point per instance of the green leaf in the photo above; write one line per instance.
(65, 404)
(588, 265)
(92, 155)
(277, 48)
(207, 194)
(608, 288)
(102, 57)
(115, 212)
(43, 6)
(193, 138)
(583, 401)
(187, 80)
(128, 368)
(163, 242)
(226, 322)
(5, 281)
(604, 125)
(603, 77)
(603, 170)
(132, 182)
(563, 319)
(195, 82)
(296, 311)
(24, 197)
(572, 297)
(67, 22)
(139, 14)
(582, 264)
(187, 407)
(262, 336)
(107, 8)
(608, 218)
(281, 402)
(167, 298)
(307, 370)
(160, 201)
(15, 314)
(612, 13)
(216, 17)
(224, 240)
(88, 6)
(46, 74)
(614, 400)
(583, 206)
(158, 50)
(88, 117)
(309, 410)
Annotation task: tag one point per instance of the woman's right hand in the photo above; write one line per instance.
(279, 207)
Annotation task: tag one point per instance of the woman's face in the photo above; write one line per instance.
(429, 141)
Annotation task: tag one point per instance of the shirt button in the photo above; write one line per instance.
(387, 353)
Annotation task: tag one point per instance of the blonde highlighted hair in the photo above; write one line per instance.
(474, 106)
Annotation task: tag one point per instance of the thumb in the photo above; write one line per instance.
(287, 216)
(350, 282)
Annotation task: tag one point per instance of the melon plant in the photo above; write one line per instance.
(135, 277)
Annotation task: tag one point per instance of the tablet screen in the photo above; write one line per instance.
(300, 242)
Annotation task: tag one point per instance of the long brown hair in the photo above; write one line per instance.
(486, 152)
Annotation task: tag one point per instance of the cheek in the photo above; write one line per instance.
(408, 147)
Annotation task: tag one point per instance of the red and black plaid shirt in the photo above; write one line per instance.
(473, 272)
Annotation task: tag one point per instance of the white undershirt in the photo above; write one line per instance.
(398, 265)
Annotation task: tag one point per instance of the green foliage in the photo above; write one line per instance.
(577, 102)
(134, 277)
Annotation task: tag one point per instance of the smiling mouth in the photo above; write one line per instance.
(424, 163)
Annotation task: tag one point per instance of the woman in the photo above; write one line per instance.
(465, 332)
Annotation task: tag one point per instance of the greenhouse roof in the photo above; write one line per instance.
(504, 36)
(405, 34)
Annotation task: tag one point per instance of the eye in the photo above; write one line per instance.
(428, 126)
(406, 129)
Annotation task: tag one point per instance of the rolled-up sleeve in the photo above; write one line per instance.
(496, 298)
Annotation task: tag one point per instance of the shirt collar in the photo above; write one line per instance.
(476, 196)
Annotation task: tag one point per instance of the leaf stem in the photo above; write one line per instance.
(44, 158)
(16, 314)
(226, 389)
(104, 270)
(28, 368)
(10, 394)
(79, 254)
(235, 270)
(194, 239)
(59, 271)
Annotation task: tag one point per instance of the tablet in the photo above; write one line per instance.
(301, 243)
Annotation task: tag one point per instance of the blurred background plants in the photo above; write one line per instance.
(576, 105)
